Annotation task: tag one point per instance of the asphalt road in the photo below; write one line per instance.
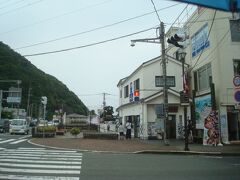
(157, 167)
(21, 160)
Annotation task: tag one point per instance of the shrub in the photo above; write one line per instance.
(75, 131)
(46, 129)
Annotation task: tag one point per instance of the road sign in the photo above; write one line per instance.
(236, 81)
(237, 95)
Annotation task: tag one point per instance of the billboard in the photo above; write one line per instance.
(203, 107)
(200, 41)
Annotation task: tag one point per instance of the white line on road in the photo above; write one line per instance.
(42, 158)
(20, 177)
(31, 148)
(20, 140)
(40, 150)
(25, 137)
(40, 161)
(40, 155)
(42, 171)
(47, 166)
(9, 140)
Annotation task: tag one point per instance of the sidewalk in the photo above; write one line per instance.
(134, 146)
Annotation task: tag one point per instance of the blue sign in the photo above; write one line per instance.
(237, 96)
(236, 81)
(200, 41)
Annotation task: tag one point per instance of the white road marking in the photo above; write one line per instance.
(25, 137)
(20, 177)
(31, 148)
(41, 158)
(42, 171)
(40, 161)
(214, 157)
(41, 155)
(40, 150)
(20, 140)
(48, 166)
(9, 140)
(2, 148)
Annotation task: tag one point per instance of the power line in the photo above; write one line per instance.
(29, 4)
(88, 45)
(14, 3)
(94, 29)
(54, 17)
(156, 11)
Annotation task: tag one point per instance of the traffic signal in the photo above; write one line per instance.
(136, 95)
(176, 39)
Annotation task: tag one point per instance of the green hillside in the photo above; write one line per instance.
(15, 67)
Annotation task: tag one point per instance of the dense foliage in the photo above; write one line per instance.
(13, 66)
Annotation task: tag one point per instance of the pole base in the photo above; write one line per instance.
(186, 149)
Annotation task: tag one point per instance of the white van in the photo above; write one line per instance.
(19, 126)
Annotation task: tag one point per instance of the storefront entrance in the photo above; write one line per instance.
(233, 126)
(171, 127)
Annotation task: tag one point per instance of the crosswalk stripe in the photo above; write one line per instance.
(40, 161)
(41, 150)
(31, 148)
(21, 177)
(48, 166)
(16, 142)
(41, 158)
(42, 171)
(42, 155)
(39, 164)
(9, 140)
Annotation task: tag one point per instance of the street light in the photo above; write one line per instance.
(184, 99)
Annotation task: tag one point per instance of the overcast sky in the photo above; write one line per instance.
(89, 71)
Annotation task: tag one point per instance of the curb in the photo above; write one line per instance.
(177, 152)
(79, 150)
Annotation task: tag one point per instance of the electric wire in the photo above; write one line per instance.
(29, 4)
(52, 18)
(156, 11)
(210, 30)
(88, 45)
(14, 3)
(94, 29)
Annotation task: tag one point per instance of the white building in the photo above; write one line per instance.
(213, 50)
(145, 113)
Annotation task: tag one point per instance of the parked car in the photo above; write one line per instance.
(19, 126)
(4, 125)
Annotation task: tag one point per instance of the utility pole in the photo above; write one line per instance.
(28, 101)
(104, 99)
(165, 88)
(160, 40)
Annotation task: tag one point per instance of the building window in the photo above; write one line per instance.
(120, 93)
(201, 77)
(126, 91)
(236, 67)
(137, 84)
(235, 30)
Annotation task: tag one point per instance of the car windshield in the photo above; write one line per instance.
(17, 122)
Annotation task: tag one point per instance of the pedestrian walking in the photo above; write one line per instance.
(129, 128)
(121, 131)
